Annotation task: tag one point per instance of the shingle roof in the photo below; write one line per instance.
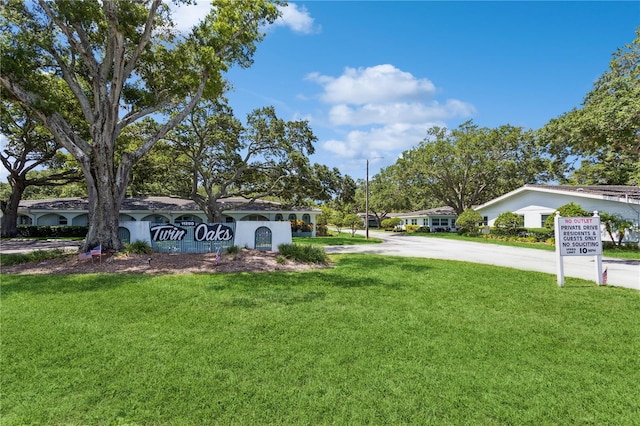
(616, 191)
(158, 204)
(438, 211)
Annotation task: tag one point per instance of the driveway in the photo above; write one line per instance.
(620, 272)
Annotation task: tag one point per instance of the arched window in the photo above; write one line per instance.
(306, 218)
(279, 217)
(292, 216)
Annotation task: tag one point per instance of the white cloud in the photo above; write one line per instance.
(399, 112)
(186, 17)
(297, 18)
(294, 17)
(386, 109)
(380, 83)
(385, 141)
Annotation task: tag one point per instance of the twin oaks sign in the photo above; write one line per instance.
(201, 232)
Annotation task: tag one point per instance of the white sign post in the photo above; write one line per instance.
(578, 236)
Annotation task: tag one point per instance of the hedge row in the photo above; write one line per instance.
(30, 231)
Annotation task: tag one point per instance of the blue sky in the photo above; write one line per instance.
(372, 76)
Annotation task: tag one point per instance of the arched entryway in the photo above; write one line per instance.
(263, 239)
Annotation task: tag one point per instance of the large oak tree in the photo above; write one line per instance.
(122, 61)
(603, 136)
(29, 147)
(470, 165)
(267, 156)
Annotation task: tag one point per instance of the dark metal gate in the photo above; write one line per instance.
(263, 239)
(124, 235)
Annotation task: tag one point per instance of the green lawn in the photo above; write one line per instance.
(379, 340)
(622, 254)
(337, 239)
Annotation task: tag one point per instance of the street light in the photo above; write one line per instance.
(366, 200)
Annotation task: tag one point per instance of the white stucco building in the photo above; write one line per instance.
(137, 214)
(535, 203)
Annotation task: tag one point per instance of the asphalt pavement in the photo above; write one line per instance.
(620, 272)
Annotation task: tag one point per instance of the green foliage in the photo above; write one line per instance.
(304, 253)
(8, 259)
(391, 223)
(353, 222)
(568, 210)
(509, 223)
(604, 132)
(233, 250)
(300, 226)
(137, 247)
(616, 226)
(470, 165)
(61, 231)
(411, 228)
(468, 221)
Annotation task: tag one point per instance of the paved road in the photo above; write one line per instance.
(622, 273)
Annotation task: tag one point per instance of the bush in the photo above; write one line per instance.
(391, 223)
(137, 247)
(411, 228)
(568, 210)
(303, 253)
(233, 250)
(509, 223)
(468, 221)
(300, 226)
(61, 231)
(424, 229)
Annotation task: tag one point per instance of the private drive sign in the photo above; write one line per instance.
(579, 236)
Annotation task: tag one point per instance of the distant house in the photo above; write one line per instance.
(440, 219)
(535, 203)
(159, 210)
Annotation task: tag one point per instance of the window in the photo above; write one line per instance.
(425, 222)
(279, 217)
(435, 221)
(62, 220)
(485, 220)
(414, 221)
(306, 218)
(543, 219)
(292, 216)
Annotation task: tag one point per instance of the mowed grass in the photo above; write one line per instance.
(337, 239)
(379, 340)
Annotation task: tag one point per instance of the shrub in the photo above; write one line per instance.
(411, 228)
(137, 247)
(391, 223)
(568, 210)
(300, 226)
(303, 253)
(468, 221)
(61, 231)
(509, 223)
(424, 229)
(233, 249)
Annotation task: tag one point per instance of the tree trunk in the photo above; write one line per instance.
(10, 212)
(105, 198)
